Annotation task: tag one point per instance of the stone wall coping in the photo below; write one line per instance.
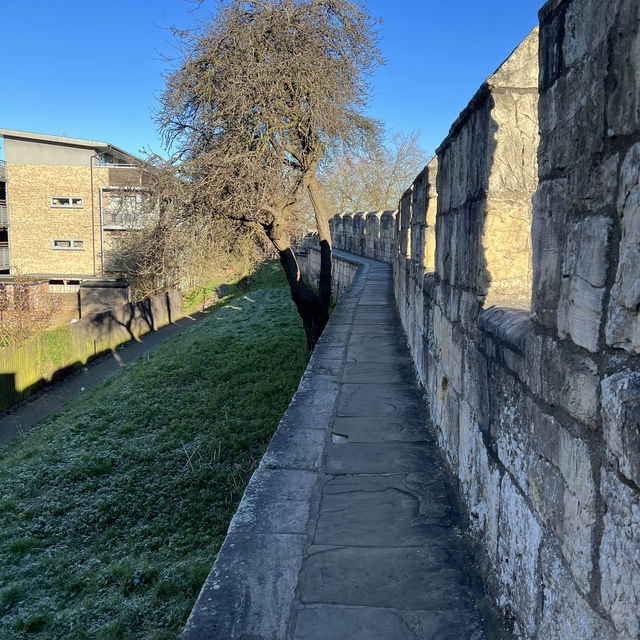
(250, 590)
(509, 325)
(337, 254)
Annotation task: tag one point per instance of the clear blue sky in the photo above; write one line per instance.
(94, 69)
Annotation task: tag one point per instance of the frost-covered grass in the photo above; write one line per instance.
(112, 511)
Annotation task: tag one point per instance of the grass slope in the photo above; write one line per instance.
(113, 510)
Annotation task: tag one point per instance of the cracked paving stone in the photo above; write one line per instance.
(398, 510)
(424, 578)
(382, 429)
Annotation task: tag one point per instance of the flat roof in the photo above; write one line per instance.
(73, 142)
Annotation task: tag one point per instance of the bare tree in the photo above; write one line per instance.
(374, 178)
(259, 94)
(26, 308)
(169, 242)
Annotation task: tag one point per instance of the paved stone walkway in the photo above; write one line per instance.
(385, 560)
(348, 529)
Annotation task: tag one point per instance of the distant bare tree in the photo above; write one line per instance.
(373, 179)
(260, 93)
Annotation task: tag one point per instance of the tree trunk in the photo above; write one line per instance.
(313, 313)
(324, 235)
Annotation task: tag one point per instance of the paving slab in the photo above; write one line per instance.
(377, 299)
(378, 400)
(415, 578)
(373, 372)
(382, 429)
(390, 457)
(374, 331)
(300, 449)
(370, 351)
(375, 314)
(321, 622)
(378, 510)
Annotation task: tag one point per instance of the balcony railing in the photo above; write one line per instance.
(3, 170)
(5, 257)
(119, 220)
(4, 212)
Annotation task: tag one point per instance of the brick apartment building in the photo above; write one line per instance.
(63, 204)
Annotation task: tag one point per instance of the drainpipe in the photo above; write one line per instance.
(101, 236)
(93, 217)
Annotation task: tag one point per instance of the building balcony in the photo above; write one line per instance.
(119, 220)
(5, 256)
(4, 213)
(3, 170)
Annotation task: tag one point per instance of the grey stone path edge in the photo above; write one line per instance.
(348, 530)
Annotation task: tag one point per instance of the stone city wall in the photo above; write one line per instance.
(524, 323)
(343, 271)
(366, 234)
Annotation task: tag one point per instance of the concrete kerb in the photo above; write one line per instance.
(250, 591)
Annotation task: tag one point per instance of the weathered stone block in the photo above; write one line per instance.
(621, 421)
(550, 205)
(623, 320)
(520, 538)
(453, 358)
(514, 172)
(534, 370)
(620, 555)
(509, 421)
(550, 48)
(552, 468)
(480, 482)
(585, 27)
(476, 382)
(506, 252)
(623, 101)
(576, 506)
(470, 137)
(580, 309)
(572, 115)
(450, 428)
(580, 313)
(565, 613)
(594, 183)
(570, 381)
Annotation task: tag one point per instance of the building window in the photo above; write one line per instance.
(68, 245)
(67, 202)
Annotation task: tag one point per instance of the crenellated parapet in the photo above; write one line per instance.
(516, 274)
(371, 234)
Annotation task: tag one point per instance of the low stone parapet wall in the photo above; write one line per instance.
(250, 591)
(342, 273)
